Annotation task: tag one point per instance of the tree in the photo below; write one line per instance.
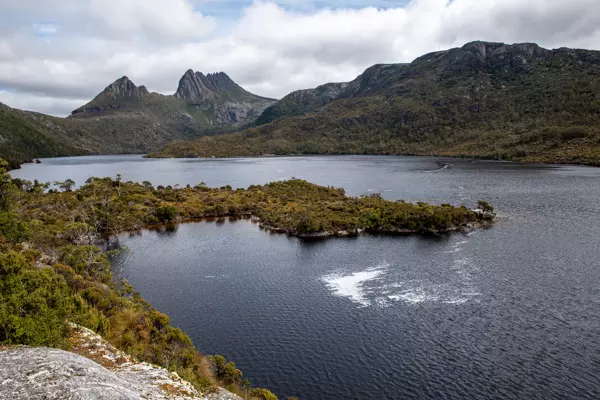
(117, 184)
(65, 186)
(485, 206)
(225, 371)
(7, 187)
(165, 213)
(10, 225)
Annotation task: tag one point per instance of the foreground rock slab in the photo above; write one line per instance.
(103, 373)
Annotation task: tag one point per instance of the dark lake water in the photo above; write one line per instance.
(511, 312)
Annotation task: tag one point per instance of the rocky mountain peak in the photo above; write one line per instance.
(124, 88)
(192, 87)
(219, 82)
(114, 96)
(196, 87)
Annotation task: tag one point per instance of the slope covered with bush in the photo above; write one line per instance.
(515, 102)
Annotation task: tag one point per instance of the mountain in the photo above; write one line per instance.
(202, 104)
(300, 102)
(491, 100)
(125, 118)
(118, 95)
(25, 135)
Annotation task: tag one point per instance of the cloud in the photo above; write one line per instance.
(49, 105)
(54, 57)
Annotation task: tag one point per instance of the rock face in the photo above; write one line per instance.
(104, 373)
(192, 88)
(196, 87)
(124, 88)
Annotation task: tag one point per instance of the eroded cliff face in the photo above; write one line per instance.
(93, 370)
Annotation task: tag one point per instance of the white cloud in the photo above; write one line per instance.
(32, 102)
(270, 50)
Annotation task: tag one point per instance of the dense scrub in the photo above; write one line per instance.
(52, 269)
(105, 207)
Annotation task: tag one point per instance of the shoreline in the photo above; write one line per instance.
(470, 158)
(324, 235)
(467, 158)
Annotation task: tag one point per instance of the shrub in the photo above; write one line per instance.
(263, 394)
(485, 206)
(165, 213)
(574, 132)
(225, 371)
(34, 303)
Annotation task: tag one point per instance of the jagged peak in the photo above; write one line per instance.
(122, 87)
(121, 90)
(195, 86)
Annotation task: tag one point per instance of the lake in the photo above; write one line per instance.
(510, 312)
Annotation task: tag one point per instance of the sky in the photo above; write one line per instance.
(57, 55)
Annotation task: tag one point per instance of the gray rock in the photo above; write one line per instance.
(192, 88)
(28, 373)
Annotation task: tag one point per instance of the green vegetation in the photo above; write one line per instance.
(52, 269)
(25, 135)
(484, 100)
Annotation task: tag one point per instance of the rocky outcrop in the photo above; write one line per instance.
(124, 88)
(220, 82)
(196, 87)
(192, 88)
(121, 91)
(95, 370)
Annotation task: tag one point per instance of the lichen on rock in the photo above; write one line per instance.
(93, 370)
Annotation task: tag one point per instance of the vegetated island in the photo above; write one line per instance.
(54, 270)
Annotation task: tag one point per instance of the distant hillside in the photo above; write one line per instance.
(125, 118)
(26, 135)
(518, 102)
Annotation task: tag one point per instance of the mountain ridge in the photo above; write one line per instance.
(484, 99)
(126, 118)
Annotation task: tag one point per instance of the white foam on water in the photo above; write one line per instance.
(415, 296)
(352, 285)
(454, 250)
(380, 292)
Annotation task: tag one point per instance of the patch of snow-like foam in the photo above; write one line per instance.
(373, 287)
(352, 285)
(415, 296)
